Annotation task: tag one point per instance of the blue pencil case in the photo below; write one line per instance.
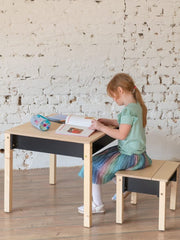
(40, 122)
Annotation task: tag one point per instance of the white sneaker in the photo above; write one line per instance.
(125, 194)
(95, 209)
(114, 197)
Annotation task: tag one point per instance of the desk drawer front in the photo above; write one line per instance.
(47, 146)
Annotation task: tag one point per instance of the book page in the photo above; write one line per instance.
(79, 120)
(68, 129)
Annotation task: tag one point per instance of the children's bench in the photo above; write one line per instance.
(151, 180)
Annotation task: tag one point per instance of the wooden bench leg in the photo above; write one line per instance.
(52, 169)
(162, 205)
(173, 194)
(133, 198)
(119, 200)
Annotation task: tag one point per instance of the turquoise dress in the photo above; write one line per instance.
(129, 154)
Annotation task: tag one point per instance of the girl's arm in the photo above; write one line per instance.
(108, 122)
(119, 134)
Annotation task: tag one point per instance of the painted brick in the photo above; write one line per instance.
(167, 105)
(58, 56)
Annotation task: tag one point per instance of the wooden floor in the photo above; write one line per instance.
(43, 211)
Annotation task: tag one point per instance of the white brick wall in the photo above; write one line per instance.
(58, 56)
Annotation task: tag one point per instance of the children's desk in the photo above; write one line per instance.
(28, 137)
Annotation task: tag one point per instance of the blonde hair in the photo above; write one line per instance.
(126, 82)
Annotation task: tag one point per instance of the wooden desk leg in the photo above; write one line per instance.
(119, 200)
(52, 169)
(8, 174)
(133, 198)
(173, 194)
(162, 205)
(87, 185)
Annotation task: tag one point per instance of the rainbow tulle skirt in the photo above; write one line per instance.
(106, 163)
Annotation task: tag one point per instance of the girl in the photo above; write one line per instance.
(130, 153)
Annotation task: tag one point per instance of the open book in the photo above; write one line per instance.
(76, 125)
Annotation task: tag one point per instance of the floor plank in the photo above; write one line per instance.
(44, 212)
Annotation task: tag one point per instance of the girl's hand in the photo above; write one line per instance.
(96, 125)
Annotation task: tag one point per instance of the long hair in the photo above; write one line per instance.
(126, 82)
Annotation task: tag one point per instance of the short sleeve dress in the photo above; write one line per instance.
(129, 154)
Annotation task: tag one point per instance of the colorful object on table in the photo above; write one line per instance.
(40, 122)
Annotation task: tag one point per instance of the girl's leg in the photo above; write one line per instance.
(96, 194)
(97, 204)
(125, 193)
(114, 180)
(114, 196)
